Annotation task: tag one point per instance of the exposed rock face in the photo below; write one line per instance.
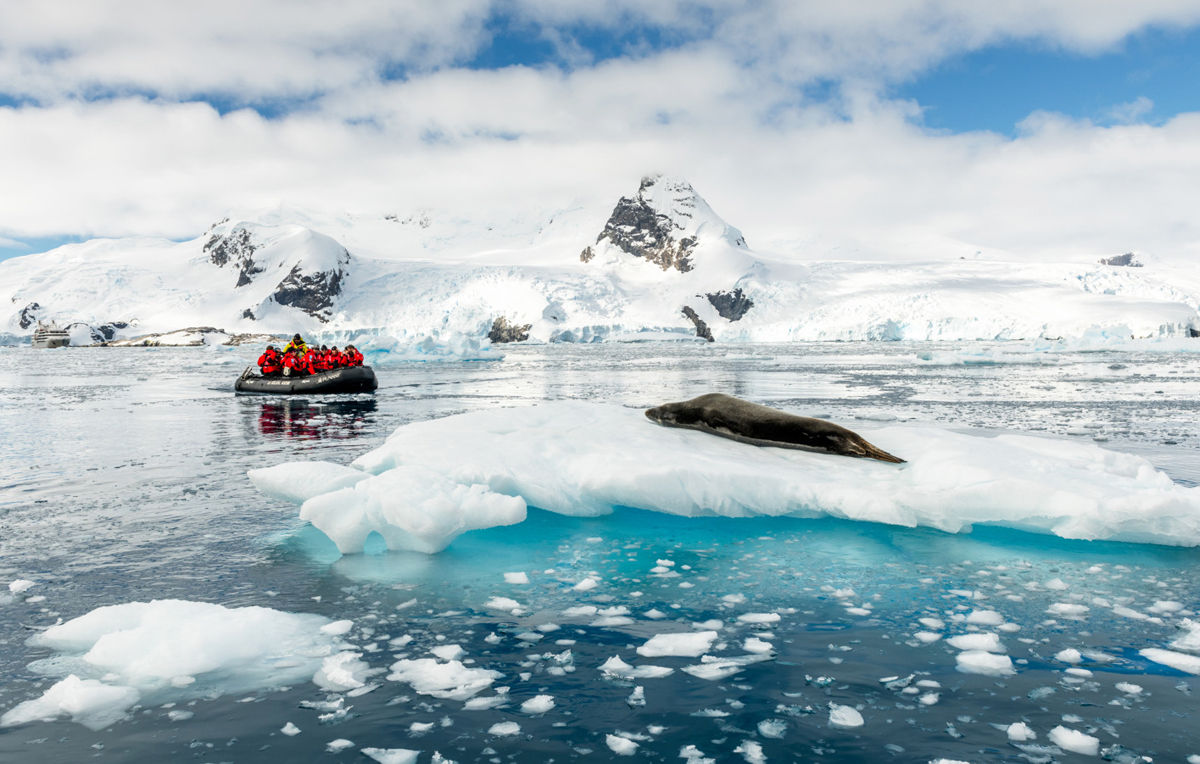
(312, 293)
(637, 228)
(702, 329)
(730, 305)
(29, 315)
(105, 332)
(1128, 260)
(503, 331)
(237, 247)
(586, 255)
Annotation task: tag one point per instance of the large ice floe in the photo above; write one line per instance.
(434, 480)
(149, 652)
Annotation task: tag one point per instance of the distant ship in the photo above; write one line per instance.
(50, 336)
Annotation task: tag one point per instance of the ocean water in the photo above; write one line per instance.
(122, 479)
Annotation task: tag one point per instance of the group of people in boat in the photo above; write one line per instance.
(298, 359)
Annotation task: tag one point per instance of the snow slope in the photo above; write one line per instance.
(661, 261)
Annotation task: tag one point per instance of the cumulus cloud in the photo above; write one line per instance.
(116, 142)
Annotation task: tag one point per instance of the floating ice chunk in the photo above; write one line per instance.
(451, 680)
(392, 755)
(1068, 610)
(755, 645)
(343, 671)
(733, 599)
(751, 751)
(1079, 672)
(538, 704)
(448, 652)
(985, 618)
(720, 667)
(772, 728)
(20, 585)
(89, 702)
(622, 746)
(1189, 664)
(504, 729)
(1075, 741)
(694, 755)
(339, 745)
(1166, 607)
(337, 628)
(586, 585)
(1056, 585)
(580, 610)
(483, 704)
(759, 618)
(507, 604)
(1072, 489)
(981, 662)
(927, 637)
(1020, 732)
(689, 644)
(1190, 640)
(289, 729)
(984, 640)
(619, 669)
(844, 716)
(1129, 688)
(297, 482)
(519, 577)
(412, 508)
(168, 649)
(929, 698)
(1069, 655)
(933, 624)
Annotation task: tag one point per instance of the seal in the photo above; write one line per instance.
(758, 425)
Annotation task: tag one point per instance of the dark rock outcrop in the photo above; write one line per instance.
(1127, 260)
(730, 305)
(503, 331)
(586, 255)
(702, 329)
(29, 315)
(312, 293)
(637, 228)
(235, 247)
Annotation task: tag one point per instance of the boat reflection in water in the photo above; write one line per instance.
(299, 418)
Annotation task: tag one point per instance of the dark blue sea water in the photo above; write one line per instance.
(122, 479)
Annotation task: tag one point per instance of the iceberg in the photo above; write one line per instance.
(433, 480)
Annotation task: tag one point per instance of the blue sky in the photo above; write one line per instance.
(122, 120)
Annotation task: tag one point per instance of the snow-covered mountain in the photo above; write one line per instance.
(662, 263)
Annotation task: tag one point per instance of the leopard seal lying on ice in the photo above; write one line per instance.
(730, 417)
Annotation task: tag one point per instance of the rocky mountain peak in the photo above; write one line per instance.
(663, 223)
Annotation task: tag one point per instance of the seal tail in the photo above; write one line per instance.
(873, 452)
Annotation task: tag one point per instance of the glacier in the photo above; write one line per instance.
(434, 480)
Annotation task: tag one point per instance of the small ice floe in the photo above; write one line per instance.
(487, 703)
(1069, 655)
(688, 644)
(733, 599)
(538, 704)
(1190, 639)
(1074, 741)
(451, 680)
(519, 577)
(758, 618)
(984, 618)
(505, 604)
(616, 668)
(620, 745)
(580, 611)
(20, 585)
(1020, 732)
(289, 729)
(1129, 688)
(587, 584)
(392, 755)
(1166, 607)
(448, 652)
(844, 716)
(772, 728)
(720, 667)
(984, 640)
(504, 729)
(343, 671)
(637, 697)
(166, 650)
(337, 628)
(1072, 610)
(754, 645)
(981, 662)
(339, 745)
(751, 751)
(927, 637)
(1189, 664)
(694, 755)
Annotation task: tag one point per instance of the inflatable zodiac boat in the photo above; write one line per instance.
(351, 379)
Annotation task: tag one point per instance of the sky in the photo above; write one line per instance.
(878, 128)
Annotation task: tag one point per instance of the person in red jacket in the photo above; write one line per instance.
(310, 361)
(270, 363)
(320, 360)
(355, 357)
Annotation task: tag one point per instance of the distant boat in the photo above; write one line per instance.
(50, 336)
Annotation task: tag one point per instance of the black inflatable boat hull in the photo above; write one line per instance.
(353, 379)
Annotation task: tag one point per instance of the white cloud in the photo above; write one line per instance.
(1132, 111)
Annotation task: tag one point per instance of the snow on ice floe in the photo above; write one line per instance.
(119, 655)
(436, 479)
